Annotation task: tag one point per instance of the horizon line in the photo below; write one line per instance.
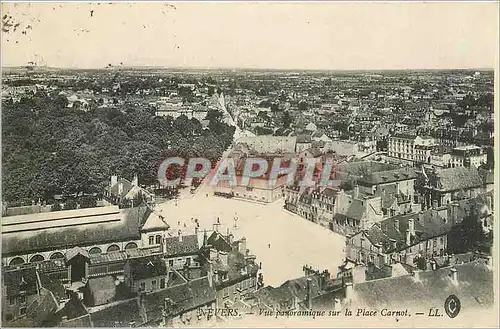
(243, 68)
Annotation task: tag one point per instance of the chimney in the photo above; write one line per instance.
(243, 245)
(411, 226)
(336, 304)
(216, 227)
(135, 181)
(64, 318)
(421, 218)
(231, 238)
(396, 224)
(433, 265)
(356, 191)
(385, 259)
(223, 257)
(408, 237)
(309, 293)
(453, 275)
(213, 254)
(216, 276)
(180, 235)
(210, 274)
(120, 188)
(114, 180)
(196, 230)
(349, 291)
(205, 238)
(416, 275)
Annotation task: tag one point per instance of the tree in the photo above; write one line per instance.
(56, 207)
(70, 204)
(287, 120)
(88, 201)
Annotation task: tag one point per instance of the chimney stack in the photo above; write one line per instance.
(356, 191)
(416, 275)
(114, 180)
(408, 237)
(396, 224)
(223, 257)
(411, 226)
(309, 293)
(135, 181)
(349, 291)
(120, 188)
(210, 273)
(180, 235)
(421, 218)
(336, 304)
(453, 275)
(243, 245)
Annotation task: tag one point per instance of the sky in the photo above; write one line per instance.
(321, 35)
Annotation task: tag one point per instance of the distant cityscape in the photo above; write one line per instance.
(90, 238)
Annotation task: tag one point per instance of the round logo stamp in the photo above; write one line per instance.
(452, 306)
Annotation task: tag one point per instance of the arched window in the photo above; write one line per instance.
(131, 245)
(56, 255)
(95, 250)
(37, 258)
(112, 248)
(16, 261)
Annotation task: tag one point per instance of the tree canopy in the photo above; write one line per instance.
(50, 149)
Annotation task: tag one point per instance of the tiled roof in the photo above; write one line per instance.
(122, 255)
(14, 280)
(118, 315)
(143, 268)
(53, 285)
(126, 187)
(269, 144)
(356, 210)
(219, 242)
(82, 235)
(185, 297)
(487, 176)
(42, 309)
(388, 176)
(304, 139)
(452, 179)
(474, 282)
(101, 284)
(188, 245)
(427, 225)
(360, 168)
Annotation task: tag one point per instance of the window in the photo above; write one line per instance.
(22, 311)
(143, 286)
(12, 301)
(158, 239)
(22, 299)
(188, 261)
(171, 262)
(153, 285)
(162, 283)
(151, 239)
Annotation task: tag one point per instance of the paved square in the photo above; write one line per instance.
(282, 241)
